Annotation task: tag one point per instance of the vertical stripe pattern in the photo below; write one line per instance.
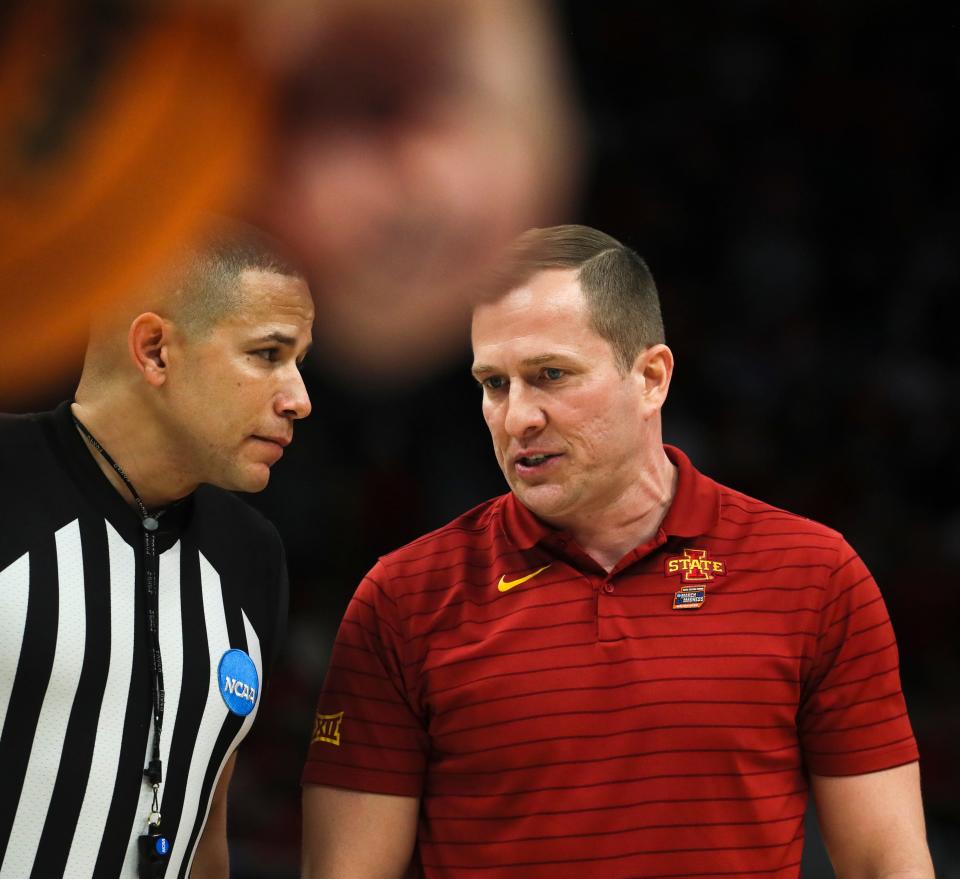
(106, 753)
(45, 628)
(253, 650)
(214, 711)
(171, 651)
(76, 720)
(48, 742)
(15, 589)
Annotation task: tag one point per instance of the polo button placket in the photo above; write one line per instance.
(608, 626)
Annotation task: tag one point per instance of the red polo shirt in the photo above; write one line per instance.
(659, 720)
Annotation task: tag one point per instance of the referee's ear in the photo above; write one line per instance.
(147, 343)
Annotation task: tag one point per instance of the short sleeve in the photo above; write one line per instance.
(853, 718)
(368, 733)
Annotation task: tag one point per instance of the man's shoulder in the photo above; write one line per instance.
(476, 529)
(221, 511)
(38, 496)
(26, 451)
(21, 430)
(740, 511)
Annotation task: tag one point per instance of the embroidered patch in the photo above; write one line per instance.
(326, 728)
(694, 566)
(239, 682)
(689, 598)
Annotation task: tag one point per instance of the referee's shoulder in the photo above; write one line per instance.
(19, 428)
(23, 438)
(235, 515)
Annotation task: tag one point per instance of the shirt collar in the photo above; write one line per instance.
(522, 528)
(695, 508)
(100, 492)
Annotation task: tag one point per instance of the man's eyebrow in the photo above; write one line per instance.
(277, 336)
(284, 339)
(540, 358)
(482, 368)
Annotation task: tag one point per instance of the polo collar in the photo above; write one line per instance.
(696, 505)
(522, 528)
(695, 509)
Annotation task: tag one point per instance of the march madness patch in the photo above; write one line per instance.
(689, 598)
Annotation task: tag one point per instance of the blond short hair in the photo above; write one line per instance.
(620, 292)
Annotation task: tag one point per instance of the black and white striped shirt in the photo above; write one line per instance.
(75, 699)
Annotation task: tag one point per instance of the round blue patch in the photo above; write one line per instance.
(162, 846)
(239, 682)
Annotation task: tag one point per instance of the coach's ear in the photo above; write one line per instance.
(147, 342)
(653, 370)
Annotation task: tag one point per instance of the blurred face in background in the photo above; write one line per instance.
(393, 148)
(417, 141)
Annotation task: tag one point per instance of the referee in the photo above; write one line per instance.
(141, 603)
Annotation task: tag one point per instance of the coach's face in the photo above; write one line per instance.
(568, 427)
(233, 393)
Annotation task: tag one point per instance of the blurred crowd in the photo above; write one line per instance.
(789, 173)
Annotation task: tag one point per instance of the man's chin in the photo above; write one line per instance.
(250, 480)
(257, 482)
(546, 500)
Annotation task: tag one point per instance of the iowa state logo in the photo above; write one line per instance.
(694, 566)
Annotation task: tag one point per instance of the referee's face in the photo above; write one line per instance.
(571, 432)
(233, 394)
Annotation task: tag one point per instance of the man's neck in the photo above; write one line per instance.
(630, 520)
(149, 470)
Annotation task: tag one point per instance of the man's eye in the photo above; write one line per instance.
(553, 373)
(494, 383)
(269, 354)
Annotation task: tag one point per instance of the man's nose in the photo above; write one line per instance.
(294, 401)
(525, 415)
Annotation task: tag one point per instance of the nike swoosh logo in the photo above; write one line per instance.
(506, 585)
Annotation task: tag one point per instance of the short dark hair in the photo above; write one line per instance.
(203, 279)
(619, 289)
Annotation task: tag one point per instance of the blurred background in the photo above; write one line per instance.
(788, 171)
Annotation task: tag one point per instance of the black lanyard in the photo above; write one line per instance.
(151, 560)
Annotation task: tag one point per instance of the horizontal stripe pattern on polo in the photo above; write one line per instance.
(75, 698)
(655, 721)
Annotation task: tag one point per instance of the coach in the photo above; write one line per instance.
(620, 668)
(140, 603)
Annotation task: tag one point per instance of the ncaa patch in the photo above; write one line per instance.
(689, 598)
(239, 682)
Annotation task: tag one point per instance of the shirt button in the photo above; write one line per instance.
(608, 587)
